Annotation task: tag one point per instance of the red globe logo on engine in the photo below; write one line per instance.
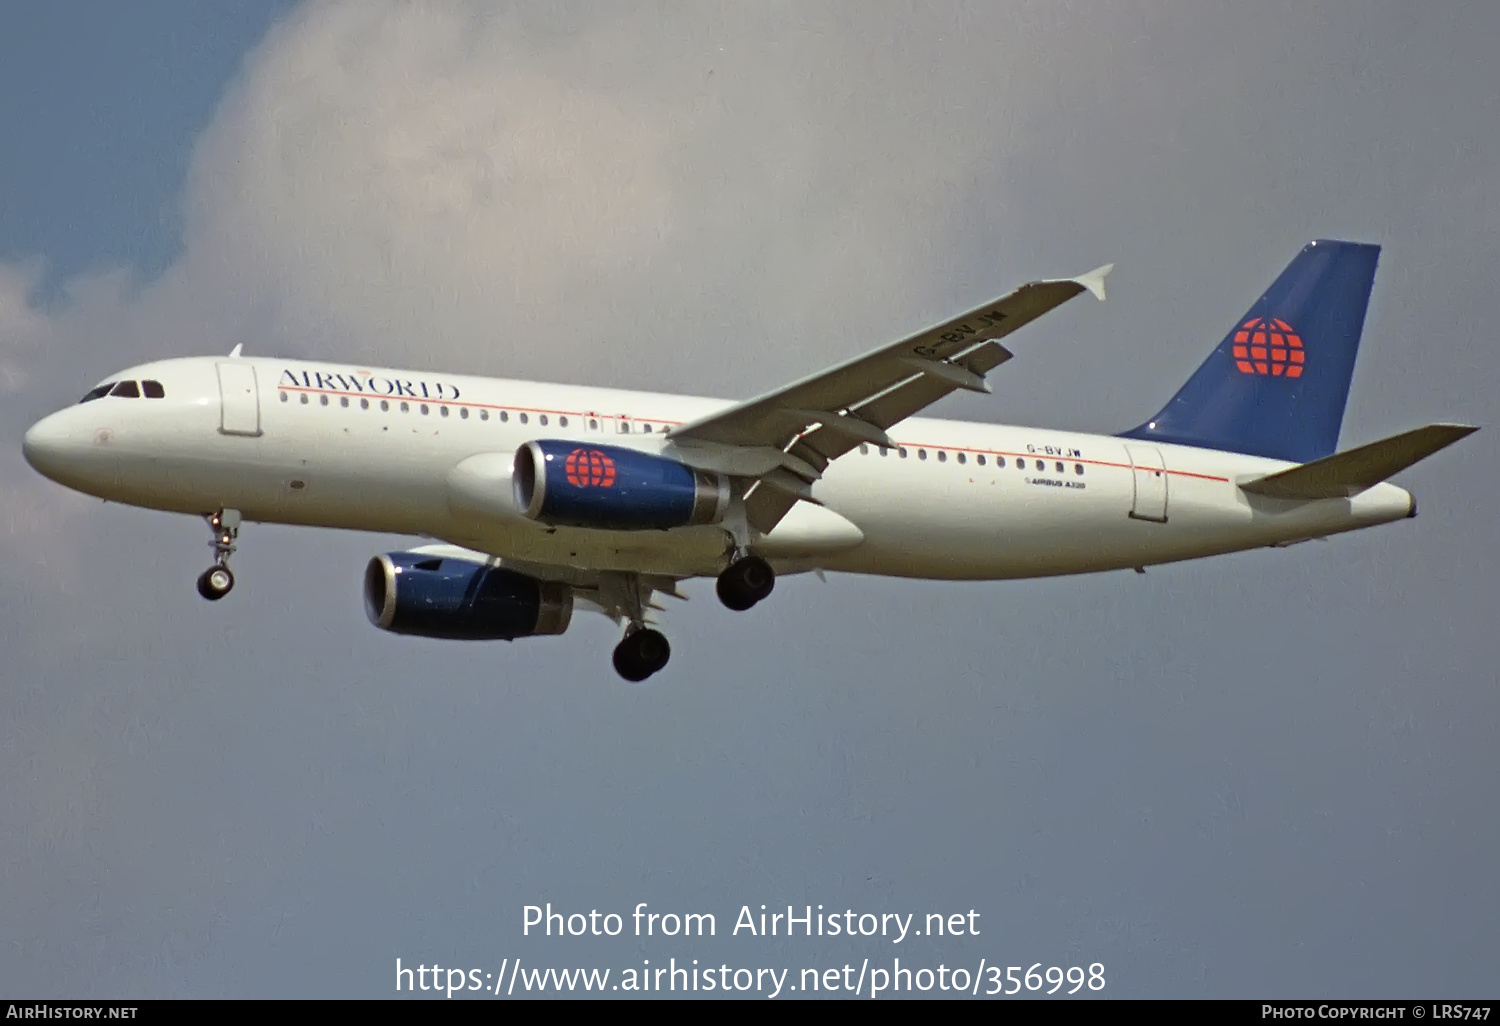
(1269, 347)
(589, 468)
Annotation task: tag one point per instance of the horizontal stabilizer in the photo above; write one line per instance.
(1349, 473)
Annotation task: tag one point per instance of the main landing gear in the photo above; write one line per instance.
(625, 597)
(641, 653)
(745, 582)
(215, 582)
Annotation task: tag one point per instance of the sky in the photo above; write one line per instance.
(1267, 774)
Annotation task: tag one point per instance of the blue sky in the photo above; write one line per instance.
(1271, 773)
(100, 104)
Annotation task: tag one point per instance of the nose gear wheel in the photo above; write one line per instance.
(215, 582)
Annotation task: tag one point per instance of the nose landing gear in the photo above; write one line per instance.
(745, 582)
(216, 582)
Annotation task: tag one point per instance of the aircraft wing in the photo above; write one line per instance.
(820, 418)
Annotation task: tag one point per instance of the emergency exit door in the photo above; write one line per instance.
(239, 399)
(1150, 475)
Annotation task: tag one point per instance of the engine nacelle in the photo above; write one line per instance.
(615, 489)
(435, 597)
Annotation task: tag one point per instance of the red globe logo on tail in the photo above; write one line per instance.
(589, 468)
(1268, 346)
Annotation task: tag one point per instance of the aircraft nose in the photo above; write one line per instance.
(46, 445)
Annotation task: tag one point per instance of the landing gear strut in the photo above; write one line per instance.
(745, 582)
(641, 653)
(215, 582)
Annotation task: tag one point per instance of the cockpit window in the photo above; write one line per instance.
(127, 390)
(153, 390)
(98, 393)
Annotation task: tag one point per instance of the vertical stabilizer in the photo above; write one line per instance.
(1277, 384)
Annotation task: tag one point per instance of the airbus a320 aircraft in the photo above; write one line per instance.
(539, 498)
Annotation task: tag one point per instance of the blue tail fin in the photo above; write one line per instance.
(1277, 384)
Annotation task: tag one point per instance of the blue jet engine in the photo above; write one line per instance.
(604, 486)
(434, 597)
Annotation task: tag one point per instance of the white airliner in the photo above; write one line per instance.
(537, 498)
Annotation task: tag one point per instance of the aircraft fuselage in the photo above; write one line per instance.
(418, 453)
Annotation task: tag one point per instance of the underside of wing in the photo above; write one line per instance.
(618, 595)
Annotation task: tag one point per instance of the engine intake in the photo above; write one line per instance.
(434, 597)
(611, 488)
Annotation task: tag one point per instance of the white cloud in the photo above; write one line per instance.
(637, 196)
(678, 198)
(26, 330)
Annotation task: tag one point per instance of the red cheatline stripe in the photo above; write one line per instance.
(678, 423)
(474, 405)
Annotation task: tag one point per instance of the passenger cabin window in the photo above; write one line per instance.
(97, 393)
(153, 390)
(126, 390)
